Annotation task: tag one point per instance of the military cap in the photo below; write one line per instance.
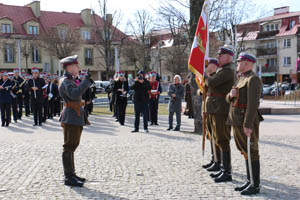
(69, 61)
(4, 73)
(121, 73)
(225, 50)
(246, 57)
(35, 69)
(10, 74)
(16, 70)
(213, 61)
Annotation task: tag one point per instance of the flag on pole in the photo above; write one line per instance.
(200, 47)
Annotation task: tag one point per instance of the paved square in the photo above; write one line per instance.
(157, 165)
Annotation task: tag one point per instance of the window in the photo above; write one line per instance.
(272, 27)
(286, 61)
(272, 62)
(86, 35)
(88, 56)
(36, 55)
(9, 54)
(6, 28)
(268, 28)
(33, 30)
(292, 24)
(276, 26)
(287, 43)
(62, 33)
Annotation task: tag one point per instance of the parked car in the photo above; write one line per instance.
(100, 86)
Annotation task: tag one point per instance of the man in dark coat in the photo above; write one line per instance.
(20, 96)
(35, 86)
(26, 97)
(5, 99)
(140, 99)
(52, 93)
(72, 118)
(121, 89)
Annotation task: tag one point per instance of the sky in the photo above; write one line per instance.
(129, 7)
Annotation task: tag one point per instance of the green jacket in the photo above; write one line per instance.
(218, 86)
(244, 110)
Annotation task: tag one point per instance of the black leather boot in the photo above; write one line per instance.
(217, 174)
(247, 183)
(226, 171)
(212, 159)
(255, 188)
(170, 128)
(177, 128)
(73, 171)
(70, 180)
(214, 168)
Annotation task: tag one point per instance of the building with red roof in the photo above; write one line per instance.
(20, 24)
(275, 40)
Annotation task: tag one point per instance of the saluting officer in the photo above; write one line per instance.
(35, 86)
(72, 117)
(220, 84)
(5, 99)
(208, 109)
(244, 118)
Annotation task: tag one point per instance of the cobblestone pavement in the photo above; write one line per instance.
(157, 165)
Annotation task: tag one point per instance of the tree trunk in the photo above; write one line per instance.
(195, 12)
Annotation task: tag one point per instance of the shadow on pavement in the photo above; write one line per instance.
(274, 190)
(94, 194)
(280, 145)
(170, 136)
(18, 130)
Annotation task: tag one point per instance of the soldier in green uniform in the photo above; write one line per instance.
(72, 118)
(207, 109)
(220, 85)
(244, 118)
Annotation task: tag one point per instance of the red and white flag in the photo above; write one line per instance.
(200, 47)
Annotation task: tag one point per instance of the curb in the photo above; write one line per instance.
(279, 111)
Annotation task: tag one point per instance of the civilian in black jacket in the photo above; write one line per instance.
(140, 99)
(35, 86)
(121, 89)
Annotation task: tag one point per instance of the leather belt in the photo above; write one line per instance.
(215, 95)
(243, 106)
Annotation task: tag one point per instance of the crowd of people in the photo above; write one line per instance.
(36, 94)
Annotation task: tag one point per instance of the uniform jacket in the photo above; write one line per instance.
(39, 83)
(69, 91)
(141, 91)
(155, 86)
(21, 86)
(175, 103)
(119, 85)
(5, 96)
(53, 89)
(247, 115)
(219, 86)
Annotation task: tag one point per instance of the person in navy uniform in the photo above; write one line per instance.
(121, 89)
(35, 86)
(52, 93)
(5, 99)
(26, 96)
(20, 96)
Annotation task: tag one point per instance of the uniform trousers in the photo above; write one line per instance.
(221, 131)
(72, 134)
(5, 112)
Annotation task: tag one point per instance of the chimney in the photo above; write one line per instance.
(35, 7)
(109, 18)
(281, 10)
(86, 16)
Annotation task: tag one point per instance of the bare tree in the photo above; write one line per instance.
(27, 46)
(140, 28)
(60, 42)
(107, 36)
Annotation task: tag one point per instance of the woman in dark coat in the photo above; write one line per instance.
(121, 89)
(5, 99)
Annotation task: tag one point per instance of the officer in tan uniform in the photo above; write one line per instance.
(72, 117)
(214, 164)
(220, 85)
(244, 118)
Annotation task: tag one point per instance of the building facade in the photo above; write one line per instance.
(275, 42)
(21, 27)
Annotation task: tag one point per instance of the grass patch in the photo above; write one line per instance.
(162, 110)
